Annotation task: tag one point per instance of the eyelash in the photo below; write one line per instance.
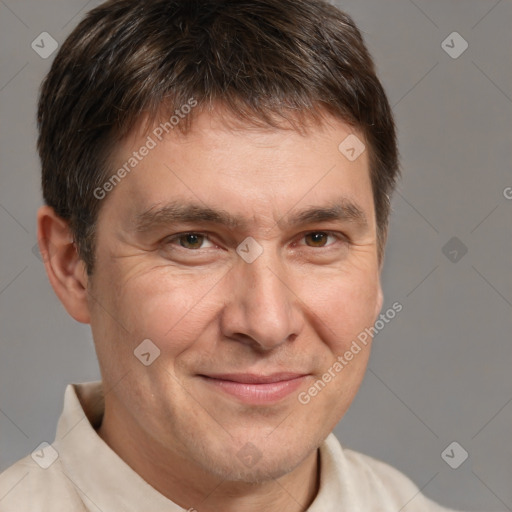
(340, 237)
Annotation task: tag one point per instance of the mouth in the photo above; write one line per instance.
(255, 389)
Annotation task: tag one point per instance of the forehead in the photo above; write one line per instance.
(210, 127)
(226, 164)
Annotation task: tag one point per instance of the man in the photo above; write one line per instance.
(217, 176)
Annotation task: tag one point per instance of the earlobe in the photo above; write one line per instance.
(65, 270)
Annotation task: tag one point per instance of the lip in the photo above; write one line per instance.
(256, 389)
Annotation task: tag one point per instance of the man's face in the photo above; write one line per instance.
(226, 321)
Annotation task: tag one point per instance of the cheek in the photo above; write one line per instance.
(345, 305)
(344, 308)
(169, 309)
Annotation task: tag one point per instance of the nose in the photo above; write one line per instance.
(262, 309)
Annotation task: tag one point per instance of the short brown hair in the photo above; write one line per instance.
(263, 59)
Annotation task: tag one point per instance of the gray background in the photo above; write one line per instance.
(440, 371)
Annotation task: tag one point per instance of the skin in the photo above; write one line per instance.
(296, 308)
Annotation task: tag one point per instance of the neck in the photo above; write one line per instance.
(189, 486)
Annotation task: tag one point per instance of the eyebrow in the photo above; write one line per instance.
(342, 209)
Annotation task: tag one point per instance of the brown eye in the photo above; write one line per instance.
(191, 240)
(316, 239)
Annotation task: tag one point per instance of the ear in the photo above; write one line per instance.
(380, 301)
(66, 271)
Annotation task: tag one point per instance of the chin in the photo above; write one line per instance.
(271, 463)
(261, 472)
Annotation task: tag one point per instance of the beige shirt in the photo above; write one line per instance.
(79, 472)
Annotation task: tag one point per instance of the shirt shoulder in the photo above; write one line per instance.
(27, 487)
(388, 484)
